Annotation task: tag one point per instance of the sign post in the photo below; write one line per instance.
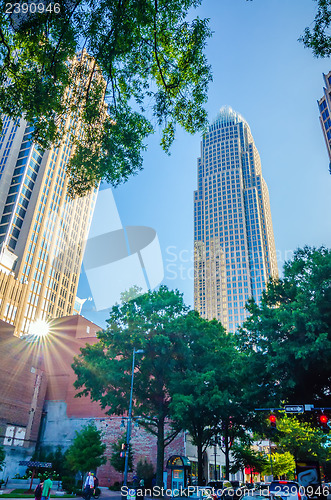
(294, 408)
(35, 465)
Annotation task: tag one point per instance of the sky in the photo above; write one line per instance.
(263, 72)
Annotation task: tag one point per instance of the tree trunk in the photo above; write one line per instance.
(227, 452)
(160, 452)
(200, 464)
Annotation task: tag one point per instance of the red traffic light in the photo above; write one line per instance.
(324, 419)
(272, 419)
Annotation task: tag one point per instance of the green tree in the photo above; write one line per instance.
(147, 322)
(56, 457)
(318, 36)
(2, 457)
(207, 401)
(145, 471)
(150, 56)
(282, 464)
(302, 439)
(87, 450)
(287, 337)
(243, 455)
(116, 460)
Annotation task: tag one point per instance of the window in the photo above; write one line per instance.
(14, 436)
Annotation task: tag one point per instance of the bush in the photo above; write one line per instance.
(145, 471)
(69, 484)
(116, 486)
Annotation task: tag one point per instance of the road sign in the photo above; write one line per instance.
(294, 408)
(46, 465)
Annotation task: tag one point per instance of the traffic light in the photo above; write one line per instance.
(323, 420)
(273, 421)
(123, 450)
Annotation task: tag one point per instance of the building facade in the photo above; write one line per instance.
(42, 229)
(324, 105)
(22, 394)
(234, 248)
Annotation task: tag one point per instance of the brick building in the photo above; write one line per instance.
(22, 393)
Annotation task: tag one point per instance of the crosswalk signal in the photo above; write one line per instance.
(123, 450)
(273, 421)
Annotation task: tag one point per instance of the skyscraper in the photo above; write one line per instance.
(324, 105)
(234, 248)
(42, 230)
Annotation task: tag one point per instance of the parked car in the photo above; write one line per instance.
(220, 485)
(286, 490)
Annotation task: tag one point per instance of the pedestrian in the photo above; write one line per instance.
(142, 489)
(38, 491)
(48, 483)
(89, 485)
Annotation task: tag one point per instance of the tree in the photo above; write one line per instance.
(145, 471)
(243, 455)
(118, 461)
(318, 37)
(287, 337)
(207, 396)
(147, 322)
(280, 464)
(87, 450)
(152, 61)
(2, 457)
(302, 440)
(56, 457)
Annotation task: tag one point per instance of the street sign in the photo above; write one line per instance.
(46, 465)
(294, 408)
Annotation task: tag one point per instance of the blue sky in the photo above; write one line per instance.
(263, 72)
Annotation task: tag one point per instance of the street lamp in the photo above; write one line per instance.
(128, 432)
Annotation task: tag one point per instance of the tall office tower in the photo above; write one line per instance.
(234, 248)
(42, 230)
(324, 105)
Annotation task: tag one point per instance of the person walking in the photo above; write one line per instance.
(48, 483)
(38, 491)
(89, 486)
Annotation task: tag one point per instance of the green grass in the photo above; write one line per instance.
(22, 493)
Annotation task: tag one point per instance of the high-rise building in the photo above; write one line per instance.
(42, 230)
(234, 248)
(324, 105)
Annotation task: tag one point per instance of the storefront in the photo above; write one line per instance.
(180, 471)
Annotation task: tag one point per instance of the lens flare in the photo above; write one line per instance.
(40, 328)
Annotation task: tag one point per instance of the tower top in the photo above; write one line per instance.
(227, 116)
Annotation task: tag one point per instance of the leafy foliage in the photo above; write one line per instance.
(302, 440)
(318, 38)
(209, 401)
(280, 464)
(145, 471)
(154, 75)
(87, 450)
(243, 455)
(2, 457)
(287, 337)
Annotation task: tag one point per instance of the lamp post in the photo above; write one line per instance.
(128, 432)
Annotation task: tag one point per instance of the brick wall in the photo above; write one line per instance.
(22, 388)
(143, 446)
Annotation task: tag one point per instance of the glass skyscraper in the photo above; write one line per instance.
(324, 105)
(234, 248)
(42, 230)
